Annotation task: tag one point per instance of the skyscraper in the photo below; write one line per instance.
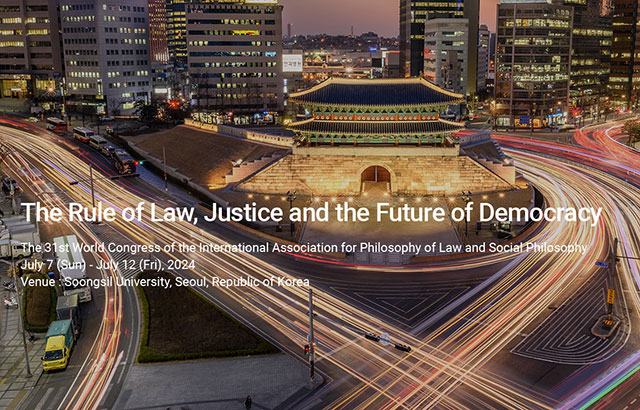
(235, 55)
(590, 56)
(446, 53)
(106, 53)
(413, 16)
(177, 31)
(30, 55)
(532, 62)
(483, 56)
(158, 30)
(625, 66)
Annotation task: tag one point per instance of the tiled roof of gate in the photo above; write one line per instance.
(340, 92)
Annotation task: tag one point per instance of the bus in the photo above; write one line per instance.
(72, 267)
(56, 125)
(124, 163)
(98, 142)
(82, 134)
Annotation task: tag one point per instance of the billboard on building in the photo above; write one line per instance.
(292, 63)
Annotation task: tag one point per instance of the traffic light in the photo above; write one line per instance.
(307, 349)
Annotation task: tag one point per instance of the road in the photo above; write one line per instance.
(450, 365)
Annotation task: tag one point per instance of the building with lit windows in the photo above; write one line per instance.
(483, 57)
(446, 53)
(532, 63)
(30, 56)
(590, 57)
(413, 17)
(177, 31)
(158, 31)
(234, 54)
(625, 64)
(106, 53)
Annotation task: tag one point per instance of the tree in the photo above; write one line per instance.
(147, 113)
(174, 111)
(115, 106)
(632, 129)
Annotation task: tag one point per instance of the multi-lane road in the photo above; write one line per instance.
(475, 325)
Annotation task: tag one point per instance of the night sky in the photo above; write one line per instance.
(337, 16)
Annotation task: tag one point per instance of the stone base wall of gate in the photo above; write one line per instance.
(336, 171)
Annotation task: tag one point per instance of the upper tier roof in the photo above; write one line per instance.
(409, 92)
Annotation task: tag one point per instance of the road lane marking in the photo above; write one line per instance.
(44, 398)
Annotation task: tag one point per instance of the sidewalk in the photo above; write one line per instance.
(14, 385)
(274, 382)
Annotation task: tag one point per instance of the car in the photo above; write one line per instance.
(32, 119)
(121, 152)
(106, 118)
(108, 150)
(9, 183)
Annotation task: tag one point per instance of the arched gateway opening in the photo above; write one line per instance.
(376, 179)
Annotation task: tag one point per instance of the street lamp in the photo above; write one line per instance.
(466, 197)
(291, 196)
(19, 290)
(91, 179)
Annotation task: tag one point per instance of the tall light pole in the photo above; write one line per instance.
(19, 291)
(466, 197)
(312, 348)
(164, 163)
(291, 196)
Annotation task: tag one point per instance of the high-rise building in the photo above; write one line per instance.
(491, 75)
(30, 54)
(625, 65)
(446, 53)
(590, 56)
(158, 31)
(177, 31)
(235, 55)
(413, 16)
(483, 56)
(289, 31)
(106, 53)
(532, 62)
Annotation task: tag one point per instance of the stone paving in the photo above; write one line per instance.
(14, 383)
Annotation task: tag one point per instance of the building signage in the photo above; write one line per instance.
(292, 63)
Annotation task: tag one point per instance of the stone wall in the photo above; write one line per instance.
(278, 140)
(333, 175)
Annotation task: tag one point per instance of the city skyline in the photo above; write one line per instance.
(319, 18)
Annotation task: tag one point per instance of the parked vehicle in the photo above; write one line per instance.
(59, 342)
(82, 134)
(9, 183)
(18, 249)
(106, 118)
(69, 308)
(9, 286)
(72, 267)
(10, 302)
(23, 233)
(108, 150)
